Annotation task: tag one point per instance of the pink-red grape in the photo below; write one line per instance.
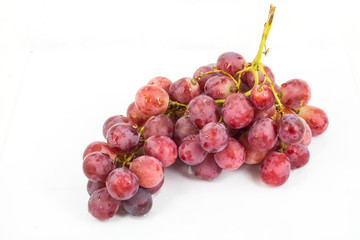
(91, 187)
(262, 97)
(251, 156)
(99, 146)
(183, 90)
(213, 137)
(136, 115)
(101, 205)
(308, 134)
(155, 189)
(97, 166)
(207, 169)
(122, 184)
(152, 100)
(183, 128)
(295, 93)
(162, 148)
(190, 150)
(122, 137)
(230, 62)
(316, 118)
(161, 82)
(203, 110)
(160, 125)
(266, 113)
(275, 169)
(232, 156)
(249, 79)
(290, 129)
(202, 80)
(262, 135)
(237, 111)
(149, 170)
(115, 120)
(139, 204)
(298, 155)
(219, 87)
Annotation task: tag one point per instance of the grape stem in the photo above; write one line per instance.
(194, 80)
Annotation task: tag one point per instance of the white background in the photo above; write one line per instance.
(66, 66)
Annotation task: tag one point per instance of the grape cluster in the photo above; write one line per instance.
(228, 114)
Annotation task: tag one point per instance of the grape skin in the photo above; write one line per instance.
(266, 113)
(162, 148)
(251, 156)
(161, 82)
(237, 111)
(183, 128)
(213, 137)
(115, 120)
(262, 135)
(316, 118)
(183, 90)
(202, 80)
(190, 150)
(155, 189)
(298, 155)
(275, 169)
(139, 204)
(232, 156)
(290, 129)
(122, 137)
(101, 205)
(160, 125)
(207, 169)
(151, 100)
(91, 187)
(308, 134)
(219, 87)
(203, 110)
(295, 93)
(149, 171)
(122, 184)
(249, 79)
(99, 146)
(136, 115)
(96, 166)
(230, 62)
(262, 97)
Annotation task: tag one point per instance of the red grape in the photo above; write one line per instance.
(230, 62)
(139, 204)
(183, 90)
(290, 129)
(190, 150)
(97, 166)
(93, 186)
(207, 169)
(161, 82)
(115, 120)
(237, 111)
(249, 79)
(251, 156)
(316, 118)
(213, 137)
(266, 113)
(232, 156)
(308, 135)
(219, 87)
(153, 190)
(101, 205)
(152, 100)
(183, 128)
(203, 110)
(262, 135)
(122, 184)
(160, 125)
(136, 115)
(295, 93)
(122, 137)
(262, 97)
(149, 170)
(99, 147)
(162, 148)
(298, 155)
(202, 80)
(275, 169)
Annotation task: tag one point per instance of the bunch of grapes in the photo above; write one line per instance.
(227, 114)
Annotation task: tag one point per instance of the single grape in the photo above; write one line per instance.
(249, 79)
(139, 204)
(231, 157)
(152, 100)
(262, 97)
(308, 135)
(244, 87)
(190, 150)
(237, 111)
(136, 115)
(101, 205)
(220, 87)
(155, 189)
(203, 110)
(266, 113)
(316, 118)
(275, 169)
(97, 166)
(251, 156)
(295, 93)
(122, 137)
(160, 125)
(115, 120)
(207, 169)
(213, 137)
(262, 135)
(149, 170)
(298, 155)
(99, 147)
(91, 187)
(122, 184)
(183, 128)
(290, 129)
(161, 82)
(202, 80)
(183, 90)
(230, 62)
(162, 148)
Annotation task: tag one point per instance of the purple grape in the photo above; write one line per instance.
(202, 80)
(290, 129)
(183, 90)
(97, 166)
(220, 87)
(162, 148)
(213, 137)
(122, 137)
(230, 62)
(207, 169)
(101, 205)
(160, 125)
(183, 128)
(115, 120)
(139, 204)
(190, 150)
(298, 155)
(122, 184)
(295, 93)
(237, 111)
(262, 135)
(203, 110)
(231, 157)
(91, 187)
(275, 169)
